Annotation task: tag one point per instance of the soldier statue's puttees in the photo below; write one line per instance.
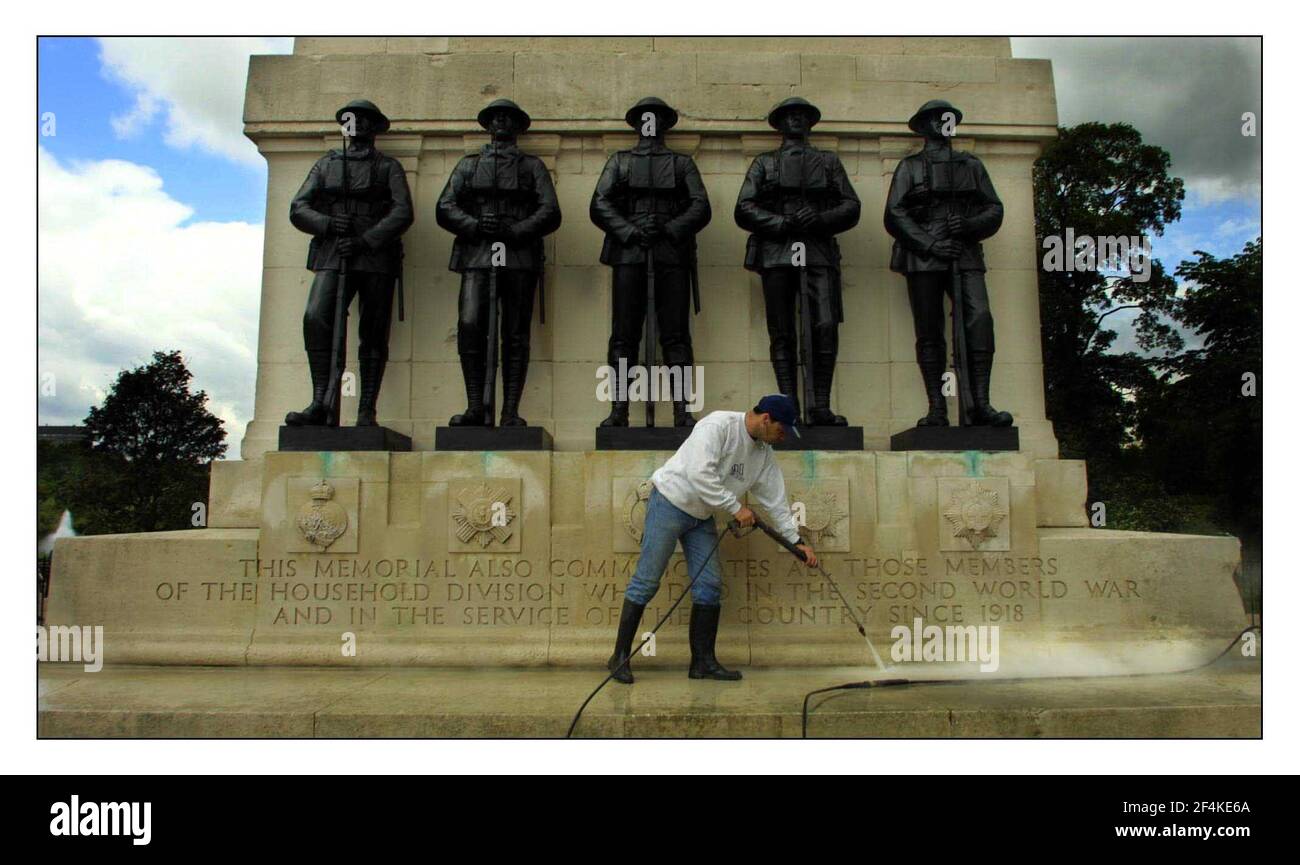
(799, 195)
(500, 203)
(941, 205)
(355, 203)
(651, 202)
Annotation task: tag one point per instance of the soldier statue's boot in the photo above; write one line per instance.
(473, 369)
(704, 636)
(315, 414)
(628, 621)
(513, 373)
(681, 416)
(372, 375)
(617, 415)
(932, 368)
(787, 377)
(823, 375)
(981, 370)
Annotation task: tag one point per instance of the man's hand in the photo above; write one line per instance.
(744, 516)
(341, 225)
(809, 557)
(957, 226)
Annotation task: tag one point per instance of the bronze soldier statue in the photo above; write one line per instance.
(651, 202)
(499, 203)
(799, 194)
(355, 203)
(941, 205)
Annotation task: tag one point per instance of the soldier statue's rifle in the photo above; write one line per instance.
(651, 334)
(805, 303)
(490, 372)
(965, 401)
(334, 390)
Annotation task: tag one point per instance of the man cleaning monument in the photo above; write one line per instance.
(727, 454)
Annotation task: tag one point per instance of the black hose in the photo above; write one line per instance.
(735, 530)
(886, 683)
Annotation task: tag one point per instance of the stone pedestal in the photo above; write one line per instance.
(823, 438)
(342, 438)
(956, 438)
(641, 438)
(486, 438)
(496, 557)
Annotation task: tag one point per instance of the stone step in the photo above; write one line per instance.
(1220, 701)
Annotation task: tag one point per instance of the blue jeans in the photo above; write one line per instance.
(665, 524)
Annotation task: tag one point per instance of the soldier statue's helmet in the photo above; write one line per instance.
(774, 116)
(931, 107)
(365, 106)
(521, 116)
(655, 104)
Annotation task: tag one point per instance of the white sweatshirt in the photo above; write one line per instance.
(719, 462)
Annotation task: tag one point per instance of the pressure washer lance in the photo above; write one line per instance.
(798, 554)
(735, 529)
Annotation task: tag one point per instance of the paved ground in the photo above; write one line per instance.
(1220, 701)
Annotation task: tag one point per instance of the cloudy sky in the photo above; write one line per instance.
(151, 200)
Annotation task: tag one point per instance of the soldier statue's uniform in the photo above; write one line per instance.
(650, 199)
(362, 224)
(498, 195)
(941, 205)
(799, 194)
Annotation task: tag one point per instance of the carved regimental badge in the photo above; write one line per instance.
(974, 514)
(634, 505)
(482, 515)
(822, 516)
(321, 521)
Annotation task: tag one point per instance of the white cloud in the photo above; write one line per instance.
(123, 273)
(197, 82)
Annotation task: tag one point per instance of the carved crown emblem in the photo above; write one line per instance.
(322, 521)
(975, 515)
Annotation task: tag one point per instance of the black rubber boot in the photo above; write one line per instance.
(318, 362)
(472, 369)
(372, 376)
(932, 369)
(981, 370)
(617, 415)
(514, 371)
(704, 635)
(823, 376)
(628, 621)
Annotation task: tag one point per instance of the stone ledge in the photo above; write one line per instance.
(1222, 701)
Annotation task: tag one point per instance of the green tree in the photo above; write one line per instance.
(151, 446)
(1201, 423)
(1101, 180)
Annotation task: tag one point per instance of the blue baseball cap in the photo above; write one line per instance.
(781, 409)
